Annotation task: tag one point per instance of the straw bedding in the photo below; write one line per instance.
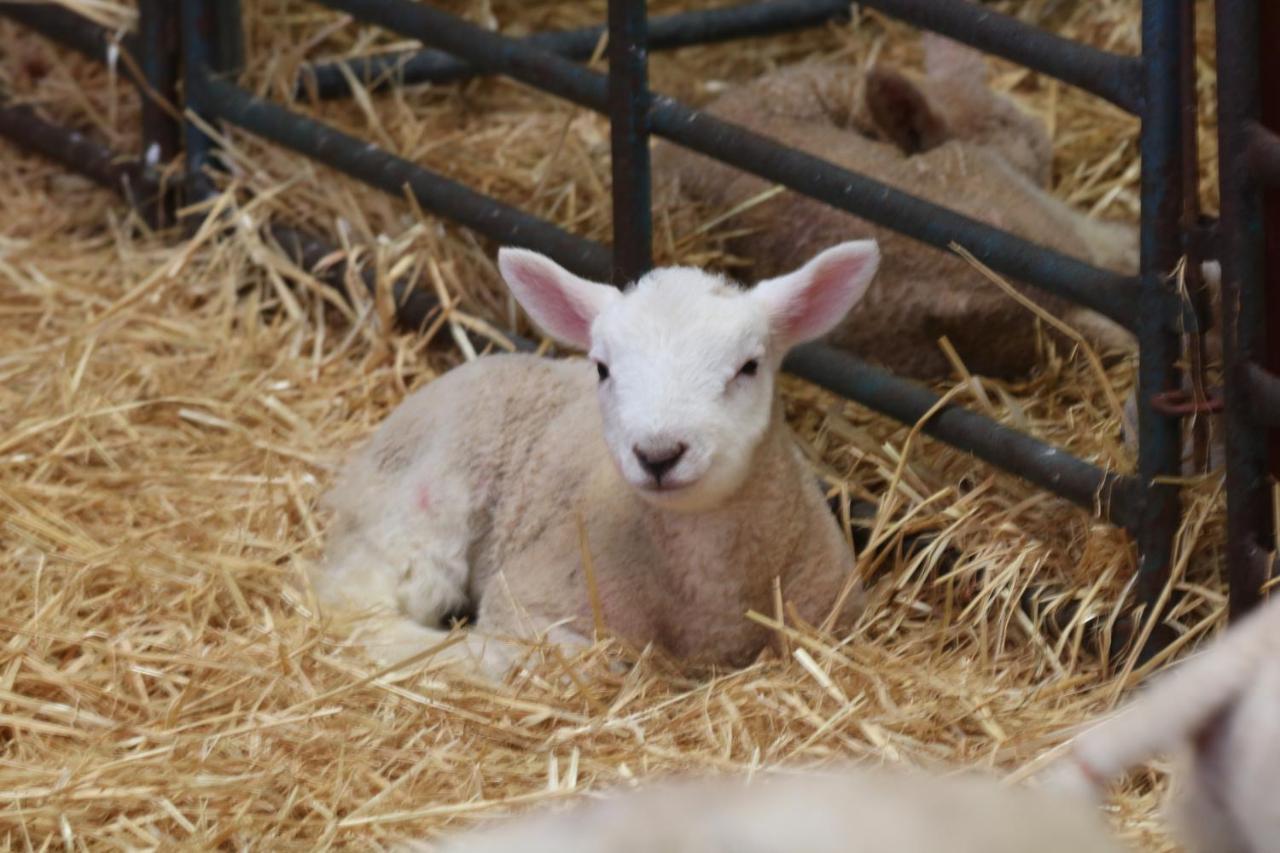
(171, 409)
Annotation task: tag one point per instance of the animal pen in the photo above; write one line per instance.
(198, 43)
(1157, 87)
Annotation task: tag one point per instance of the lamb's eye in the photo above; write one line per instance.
(750, 368)
(602, 370)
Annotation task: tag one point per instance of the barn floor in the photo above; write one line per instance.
(171, 410)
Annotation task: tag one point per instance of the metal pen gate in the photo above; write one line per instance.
(1157, 86)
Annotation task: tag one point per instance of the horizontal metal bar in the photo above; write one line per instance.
(1110, 293)
(69, 29)
(666, 32)
(95, 161)
(73, 150)
(1112, 76)
(1111, 494)
(414, 306)
(393, 175)
(1264, 154)
(1107, 292)
(1264, 395)
(152, 71)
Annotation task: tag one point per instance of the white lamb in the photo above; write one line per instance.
(668, 448)
(1219, 713)
(852, 810)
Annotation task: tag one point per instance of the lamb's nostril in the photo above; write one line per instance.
(658, 461)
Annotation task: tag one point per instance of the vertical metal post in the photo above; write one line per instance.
(158, 45)
(158, 48)
(629, 138)
(1269, 118)
(1160, 449)
(197, 55)
(1192, 248)
(1244, 303)
(228, 37)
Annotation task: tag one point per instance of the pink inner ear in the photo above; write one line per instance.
(825, 299)
(551, 305)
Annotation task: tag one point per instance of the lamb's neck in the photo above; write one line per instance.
(721, 538)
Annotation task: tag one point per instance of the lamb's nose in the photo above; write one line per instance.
(660, 459)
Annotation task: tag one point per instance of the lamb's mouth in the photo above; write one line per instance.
(665, 486)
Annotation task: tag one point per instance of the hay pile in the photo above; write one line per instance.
(170, 411)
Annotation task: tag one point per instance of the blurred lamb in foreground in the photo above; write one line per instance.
(947, 139)
(853, 810)
(655, 488)
(1219, 713)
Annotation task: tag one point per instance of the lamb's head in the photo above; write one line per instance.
(954, 101)
(687, 360)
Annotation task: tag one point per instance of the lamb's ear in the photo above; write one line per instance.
(952, 63)
(809, 302)
(902, 111)
(560, 303)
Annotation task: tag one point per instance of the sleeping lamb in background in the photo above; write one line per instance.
(667, 450)
(949, 140)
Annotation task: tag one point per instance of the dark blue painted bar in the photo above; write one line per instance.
(196, 26)
(1109, 75)
(1102, 492)
(392, 174)
(69, 29)
(1164, 24)
(629, 140)
(1250, 390)
(157, 54)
